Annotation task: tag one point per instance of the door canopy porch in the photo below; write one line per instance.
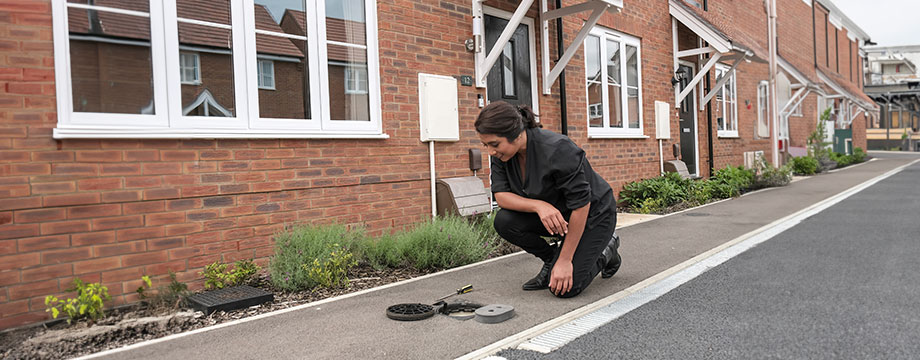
(852, 104)
(484, 61)
(718, 45)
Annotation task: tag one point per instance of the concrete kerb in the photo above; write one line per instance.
(768, 231)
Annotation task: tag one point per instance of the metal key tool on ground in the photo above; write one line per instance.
(459, 291)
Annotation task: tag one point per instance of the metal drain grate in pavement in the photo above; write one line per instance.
(230, 298)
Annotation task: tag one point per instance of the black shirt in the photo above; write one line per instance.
(557, 172)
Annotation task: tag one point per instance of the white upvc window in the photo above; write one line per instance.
(356, 80)
(726, 106)
(266, 75)
(762, 129)
(613, 66)
(189, 68)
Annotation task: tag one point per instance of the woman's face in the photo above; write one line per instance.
(499, 147)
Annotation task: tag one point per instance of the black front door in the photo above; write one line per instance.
(509, 78)
(687, 126)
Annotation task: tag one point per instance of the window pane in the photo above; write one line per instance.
(345, 24)
(508, 70)
(592, 54)
(140, 5)
(111, 67)
(595, 105)
(613, 62)
(213, 95)
(287, 19)
(345, 21)
(632, 66)
(633, 98)
(614, 106)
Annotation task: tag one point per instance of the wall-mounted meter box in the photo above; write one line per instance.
(439, 118)
(662, 120)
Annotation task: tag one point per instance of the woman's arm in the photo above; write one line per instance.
(550, 216)
(560, 282)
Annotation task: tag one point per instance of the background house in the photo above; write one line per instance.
(893, 81)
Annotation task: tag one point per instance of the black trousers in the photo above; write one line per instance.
(525, 230)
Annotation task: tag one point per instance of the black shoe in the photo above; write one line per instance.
(612, 256)
(541, 281)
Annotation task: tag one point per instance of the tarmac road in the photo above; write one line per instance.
(844, 283)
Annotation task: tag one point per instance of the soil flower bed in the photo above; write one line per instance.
(132, 324)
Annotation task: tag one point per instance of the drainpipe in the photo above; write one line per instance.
(771, 26)
(562, 103)
(814, 35)
(709, 124)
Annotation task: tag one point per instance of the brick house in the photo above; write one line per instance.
(140, 137)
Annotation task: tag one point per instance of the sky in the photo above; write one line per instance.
(888, 22)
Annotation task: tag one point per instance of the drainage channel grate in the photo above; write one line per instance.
(227, 299)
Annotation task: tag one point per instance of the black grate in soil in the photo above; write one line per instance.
(227, 299)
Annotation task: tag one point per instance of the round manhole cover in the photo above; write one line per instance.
(696, 214)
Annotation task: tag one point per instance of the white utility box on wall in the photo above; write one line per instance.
(662, 120)
(439, 119)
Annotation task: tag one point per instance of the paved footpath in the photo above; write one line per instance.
(356, 327)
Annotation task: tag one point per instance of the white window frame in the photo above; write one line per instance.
(606, 131)
(726, 106)
(196, 67)
(168, 121)
(353, 83)
(261, 76)
(763, 103)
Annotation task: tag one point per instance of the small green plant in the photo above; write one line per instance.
(88, 303)
(804, 165)
(141, 290)
(172, 295)
(818, 146)
(216, 275)
(331, 270)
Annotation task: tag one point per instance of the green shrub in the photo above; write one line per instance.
(773, 177)
(842, 160)
(649, 206)
(381, 253)
(700, 192)
(303, 245)
(172, 296)
(858, 155)
(667, 190)
(804, 165)
(331, 270)
(88, 303)
(730, 181)
(216, 275)
(443, 242)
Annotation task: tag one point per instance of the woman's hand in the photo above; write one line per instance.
(560, 282)
(552, 219)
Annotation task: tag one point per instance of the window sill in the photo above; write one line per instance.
(62, 133)
(729, 135)
(617, 136)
